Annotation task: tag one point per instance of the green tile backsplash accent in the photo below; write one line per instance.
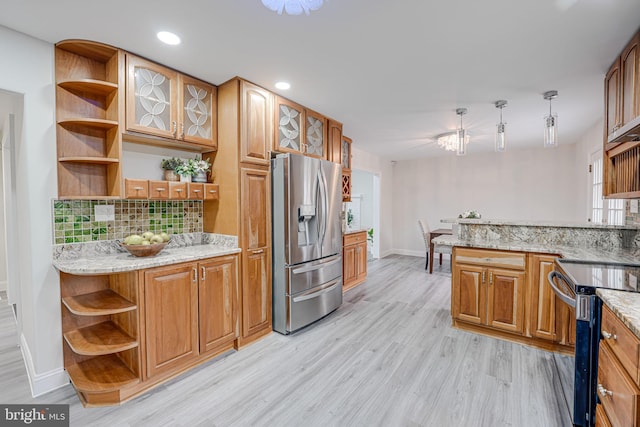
(74, 220)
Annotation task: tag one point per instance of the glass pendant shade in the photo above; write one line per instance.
(550, 122)
(501, 142)
(462, 141)
(293, 7)
(551, 130)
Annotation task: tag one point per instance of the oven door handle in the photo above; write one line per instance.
(567, 299)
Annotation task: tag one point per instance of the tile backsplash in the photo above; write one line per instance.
(630, 218)
(74, 220)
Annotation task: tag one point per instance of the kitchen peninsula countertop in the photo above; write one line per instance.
(107, 257)
(526, 223)
(625, 305)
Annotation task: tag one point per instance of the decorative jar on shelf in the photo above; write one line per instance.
(200, 177)
(171, 175)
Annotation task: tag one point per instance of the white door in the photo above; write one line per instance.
(603, 211)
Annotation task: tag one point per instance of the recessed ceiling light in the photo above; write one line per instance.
(168, 38)
(283, 85)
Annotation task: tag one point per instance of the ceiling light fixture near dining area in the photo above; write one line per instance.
(501, 142)
(462, 136)
(293, 7)
(550, 122)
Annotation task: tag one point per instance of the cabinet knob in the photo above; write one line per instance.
(482, 278)
(194, 277)
(181, 130)
(203, 273)
(212, 191)
(196, 191)
(256, 252)
(160, 189)
(138, 188)
(490, 279)
(607, 335)
(603, 391)
(175, 128)
(178, 190)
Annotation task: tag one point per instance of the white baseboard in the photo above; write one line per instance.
(409, 252)
(41, 383)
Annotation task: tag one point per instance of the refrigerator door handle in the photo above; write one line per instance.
(317, 266)
(322, 181)
(312, 293)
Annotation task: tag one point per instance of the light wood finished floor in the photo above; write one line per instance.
(387, 357)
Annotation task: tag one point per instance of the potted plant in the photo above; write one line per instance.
(170, 166)
(201, 167)
(186, 170)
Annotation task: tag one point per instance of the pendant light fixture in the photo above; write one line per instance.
(293, 7)
(551, 122)
(501, 142)
(462, 134)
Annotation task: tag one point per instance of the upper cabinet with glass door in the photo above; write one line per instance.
(315, 135)
(289, 130)
(164, 103)
(346, 153)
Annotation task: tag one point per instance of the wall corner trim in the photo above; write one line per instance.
(41, 383)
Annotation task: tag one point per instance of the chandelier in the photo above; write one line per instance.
(448, 141)
(293, 7)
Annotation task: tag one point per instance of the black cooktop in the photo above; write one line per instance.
(593, 275)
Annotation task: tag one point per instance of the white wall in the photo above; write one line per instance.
(362, 183)
(534, 184)
(377, 165)
(28, 69)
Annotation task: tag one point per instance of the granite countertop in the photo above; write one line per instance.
(582, 253)
(108, 257)
(482, 221)
(625, 305)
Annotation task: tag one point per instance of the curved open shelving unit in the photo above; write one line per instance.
(95, 123)
(101, 374)
(99, 303)
(99, 339)
(89, 159)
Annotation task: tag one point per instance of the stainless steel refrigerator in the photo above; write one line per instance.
(307, 240)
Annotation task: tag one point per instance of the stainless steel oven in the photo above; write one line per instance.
(575, 283)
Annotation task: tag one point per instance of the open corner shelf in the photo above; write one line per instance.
(99, 339)
(87, 159)
(99, 87)
(96, 51)
(95, 123)
(101, 374)
(99, 303)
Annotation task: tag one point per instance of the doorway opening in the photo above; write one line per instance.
(11, 108)
(364, 208)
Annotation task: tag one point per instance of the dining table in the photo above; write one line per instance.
(432, 235)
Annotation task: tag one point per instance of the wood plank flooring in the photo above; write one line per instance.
(387, 357)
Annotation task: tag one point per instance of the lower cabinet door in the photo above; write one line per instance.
(217, 302)
(256, 291)
(171, 317)
(350, 273)
(468, 299)
(505, 308)
(542, 309)
(361, 253)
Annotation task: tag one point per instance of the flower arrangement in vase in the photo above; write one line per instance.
(170, 166)
(200, 167)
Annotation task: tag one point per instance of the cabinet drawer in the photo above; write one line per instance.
(159, 190)
(617, 392)
(177, 190)
(623, 343)
(196, 191)
(211, 191)
(353, 238)
(488, 258)
(136, 188)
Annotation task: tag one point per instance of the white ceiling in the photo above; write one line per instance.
(392, 71)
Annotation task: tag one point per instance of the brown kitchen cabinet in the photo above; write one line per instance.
(164, 103)
(171, 317)
(217, 296)
(315, 134)
(89, 89)
(256, 245)
(542, 300)
(334, 141)
(621, 179)
(354, 259)
(488, 288)
(256, 121)
(618, 380)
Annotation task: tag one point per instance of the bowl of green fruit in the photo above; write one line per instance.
(145, 244)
